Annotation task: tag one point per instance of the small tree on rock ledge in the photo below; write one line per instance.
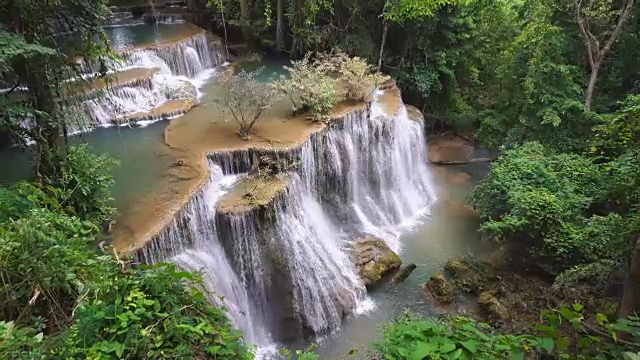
(244, 98)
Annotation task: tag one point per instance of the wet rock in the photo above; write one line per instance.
(373, 258)
(403, 274)
(180, 89)
(492, 308)
(414, 114)
(345, 301)
(469, 274)
(449, 149)
(438, 290)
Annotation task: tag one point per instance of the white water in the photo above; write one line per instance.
(367, 174)
(183, 67)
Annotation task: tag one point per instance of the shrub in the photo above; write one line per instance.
(542, 202)
(358, 79)
(84, 186)
(243, 98)
(152, 313)
(456, 338)
(46, 264)
(19, 343)
(310, 83)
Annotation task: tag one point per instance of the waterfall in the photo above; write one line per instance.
(180, 66)
(292, 259)
(191, 241)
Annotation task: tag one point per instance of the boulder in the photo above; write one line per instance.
(469, 274)
(438, 290)
(492, 308)
(404, 272)
(180, 89)
(373, 258)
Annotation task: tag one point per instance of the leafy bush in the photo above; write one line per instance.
(84, 186)
(542, 201)
(456, 338)
(617, 133)
(310, 83)
(156, 313)
(46, 264)
(354, 74)
(19, 343)
(244, 98)
(563, 334)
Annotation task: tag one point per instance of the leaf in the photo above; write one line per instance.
(578, 307)
(38, 337)
(547, 345)
(562, 344)
(422, 350)
(447, 347)
(471, 346)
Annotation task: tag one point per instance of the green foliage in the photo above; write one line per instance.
(620, 132)
(83, 186)
(540, 201)
(307, 354)
(244, 98)
(358, 79)
(455, 338)
(46, 265)
(565, 334)
(157, 313)
(401, 11)
(309, 82)
(540, 98)
(19, 343)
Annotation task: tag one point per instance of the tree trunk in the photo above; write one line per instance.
(382, 41)
(592, 85)
(630, 303)
(280, 26)
(296, 46)
(244, 16)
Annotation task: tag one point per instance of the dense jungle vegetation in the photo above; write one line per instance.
(554, 85)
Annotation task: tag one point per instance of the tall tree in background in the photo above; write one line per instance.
(600, 25)
(401, 11)
(40, 40)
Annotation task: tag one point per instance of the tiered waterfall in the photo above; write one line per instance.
(176, 70)
(286, 270)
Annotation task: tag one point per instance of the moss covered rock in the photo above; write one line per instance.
(373, 258)
(469, 274)
(491, 307)
(438, 290)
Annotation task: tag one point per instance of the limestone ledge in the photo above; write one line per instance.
(252, 193)
(193, 143)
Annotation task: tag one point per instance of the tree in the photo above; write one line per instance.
(244, 98)
(38, 57)
(595, 20)
(400, 11)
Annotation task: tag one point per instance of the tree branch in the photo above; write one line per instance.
(616, 32)
(583, 33)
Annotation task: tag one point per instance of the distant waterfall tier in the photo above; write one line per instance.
(150, 83)
(288, 239)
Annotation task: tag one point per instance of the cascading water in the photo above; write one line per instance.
(191, 241)
(367, 173)
(181, 66)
